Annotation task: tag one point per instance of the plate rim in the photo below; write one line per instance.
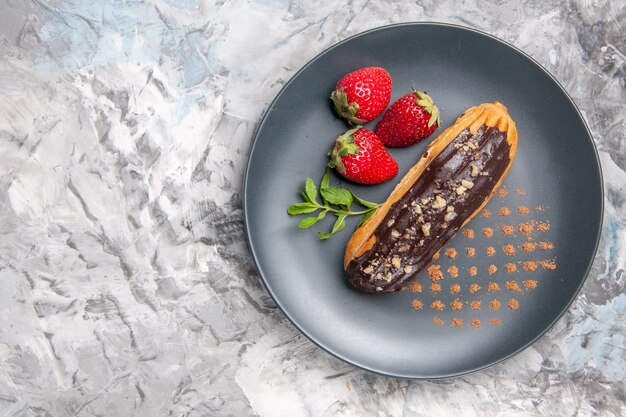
(329, 350)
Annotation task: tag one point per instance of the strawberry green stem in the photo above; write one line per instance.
(344, 146)
(344, 109)
(425, 101)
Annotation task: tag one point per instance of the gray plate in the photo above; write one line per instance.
(557, 167)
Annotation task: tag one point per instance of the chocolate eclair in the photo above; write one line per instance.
(453, 179)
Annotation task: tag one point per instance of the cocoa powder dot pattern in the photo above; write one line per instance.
(495, 321)
(508, 229)
(456, 305)
(453, 270)
(513, 286)
(530, 284)
(474, 288)
(528, 230)
(437, 305)
(456, 322)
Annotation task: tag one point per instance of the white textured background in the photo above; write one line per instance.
(126, 287)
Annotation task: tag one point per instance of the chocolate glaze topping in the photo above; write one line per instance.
(449, 191)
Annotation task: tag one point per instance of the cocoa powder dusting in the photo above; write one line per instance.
(435, 287)
(526, 228)
(471, 252)
(451, 253)
(502, 192)
(486, 213)
(529, 265)
(513, 304)
(455, 288)
(475, 322)
(505, 212)
(529, 247)
(540, 208)
(510, 267)
(523, 210)
(513, 286)
(547, 264)
(437, 305)
(520, 191)
(417, 305)
(492, 269)
(472, 271)
(495, 321)
(468, 233)
(434, 272)
(546, 245)
(474, 288)
(543, 226)
(493, 287)
(438, 321)
(508, 229)
(456, 322)
(530, 284)
(453, 271)
(487, 231)
(495, 305)
(508, 250)
(416, 287)
(490, 250)
(475, 305)
(456, 305)
(436, 256)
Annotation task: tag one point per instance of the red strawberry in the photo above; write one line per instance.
(362, 95)
(360, 156)
(410, 119)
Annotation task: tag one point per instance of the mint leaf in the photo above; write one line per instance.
(324, 236)
(337, 196)
(325, 178)
(340, 223)
(365, 203)
(308, 222)
(311, 190)
(336, 200)
(364, 218)
(301, 208)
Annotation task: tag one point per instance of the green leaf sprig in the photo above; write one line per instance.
(335, 200)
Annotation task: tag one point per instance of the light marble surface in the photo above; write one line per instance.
(126, 287)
